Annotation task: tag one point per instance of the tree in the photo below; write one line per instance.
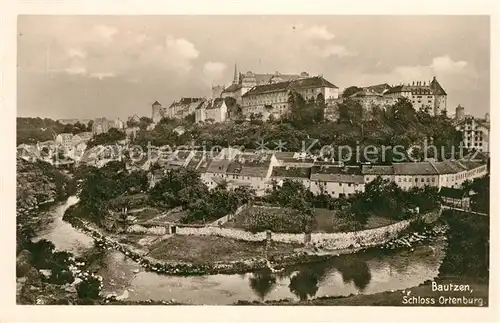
(78, 127)
(262, 283)
(90, 125)
(88, 289)
(144, 122)
(190, 118)
(350, 111)
(304, 284)
(350, 91)
(108, 138)
(481, 199)
(319, 115)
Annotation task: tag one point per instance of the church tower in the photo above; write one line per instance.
(235, 78)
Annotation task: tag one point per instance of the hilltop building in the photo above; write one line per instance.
(475, 131)
(103, 125)
(214, 110)
(272, 99)
(421, 94)
(242, 83)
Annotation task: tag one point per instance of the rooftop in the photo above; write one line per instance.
(377, 169)
(218, 166)
(337, 174)
(433, 87)
(215, 104)
(422, 168)
(311, 82)
(291, 172)
(204, 165)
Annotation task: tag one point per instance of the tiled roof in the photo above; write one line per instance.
(422, 168)
(291, 172)
(364, 93)
(255, 171)
(377, 170)
(185, 104)
(234, 168)
(337, 174)
(379, 88)
(470, 164)
(232, 88)
(215, 104)
(311, 82)
(204, 165)
(297, 160)
(252, 165)
(218, 166)
(195, 160)
(261, 159)
(268, 78)
(434, 88)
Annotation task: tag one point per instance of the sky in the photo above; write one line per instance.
(116, 66)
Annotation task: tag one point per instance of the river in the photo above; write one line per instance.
(362, 273)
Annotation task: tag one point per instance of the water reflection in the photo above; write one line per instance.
(355, 270)
(366, 272)
(262, 283)
(304, 284)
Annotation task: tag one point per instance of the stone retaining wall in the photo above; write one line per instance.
(222, 232)
(327, 241)
(228, 217)
(156, 230)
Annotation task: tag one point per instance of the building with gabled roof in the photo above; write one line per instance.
(272, 99)
(243, 82)
(215, 110)
(337, 181)
(251, 170)
(421, 94)
(454, 197)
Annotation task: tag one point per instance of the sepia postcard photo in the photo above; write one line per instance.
(259, 160)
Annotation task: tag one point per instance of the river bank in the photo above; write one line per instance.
(422, 295)
(127, 282)
(271, 260)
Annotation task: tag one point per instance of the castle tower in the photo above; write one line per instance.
(459, 112)
(235, 78)
(439, 96)
(156, 112)
(487, 117)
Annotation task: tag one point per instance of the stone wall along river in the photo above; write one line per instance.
(366, 272)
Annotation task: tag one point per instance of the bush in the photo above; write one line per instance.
(276, 220)
(468, 246)
(88, 289)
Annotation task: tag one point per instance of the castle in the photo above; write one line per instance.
(420, 93)
(242, 83)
